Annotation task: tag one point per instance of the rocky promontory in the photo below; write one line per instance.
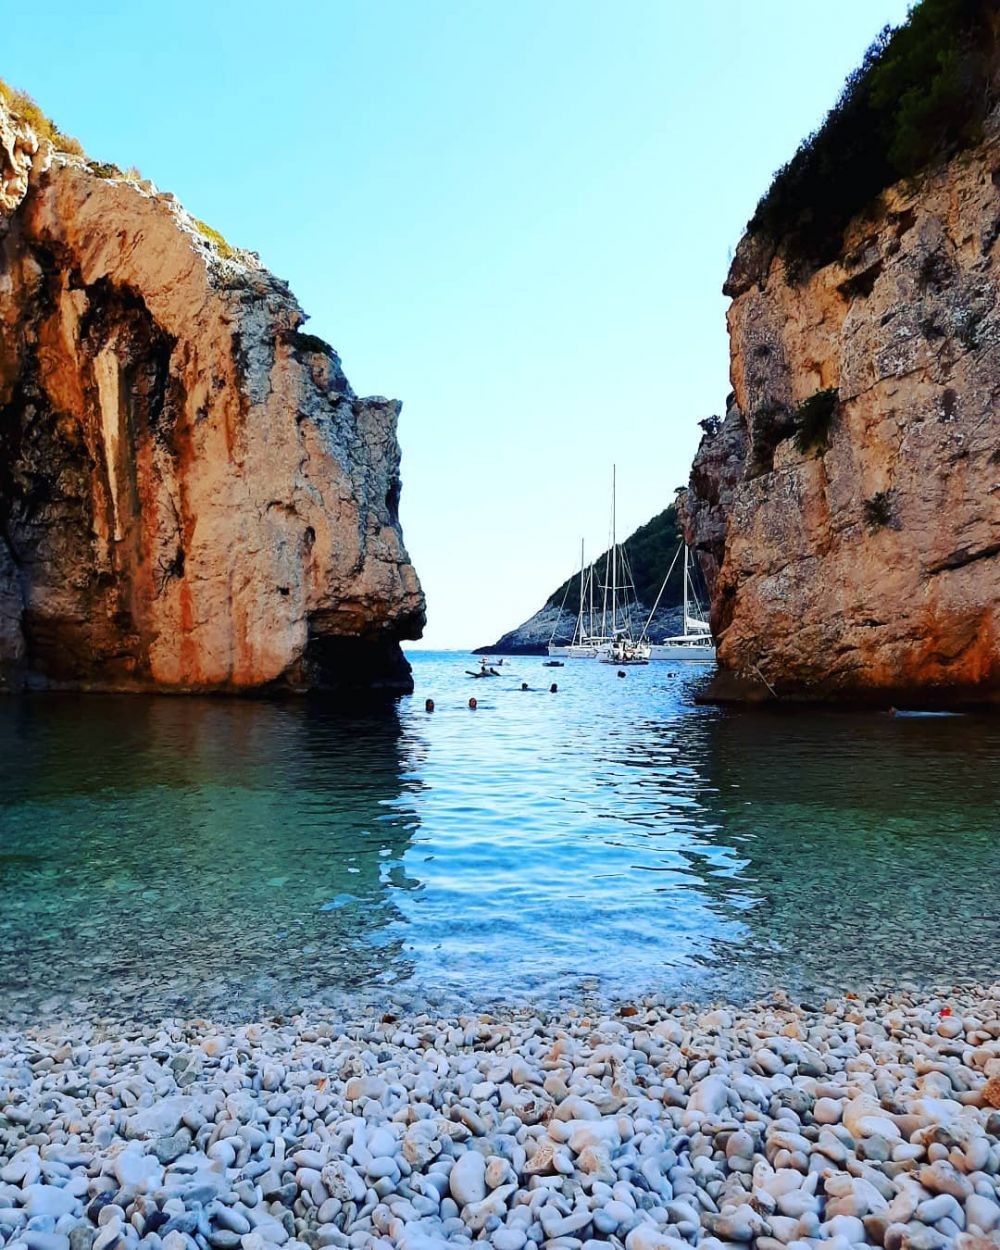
(192, 497)
(846, 512)
(648, 553)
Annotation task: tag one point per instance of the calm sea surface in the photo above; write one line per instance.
(166, 856)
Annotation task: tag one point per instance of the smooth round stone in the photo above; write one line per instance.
(382, 1142)
(604, 1222)
(508, 1239)
(35, 1240)
(224, 1239)
(983, 1212)
(827, 1111)
(876, 1149)
(849, 1227)
(223, 1152)
(110, 1234)
(710, 1095)
(739, 1146)
(942, 1178)
(40, 1199)
(649, 1237)
(136, 1170)
(940, 1207)
(467, 1180)
(975, 1157)
(231, 1219)
(715, 1021)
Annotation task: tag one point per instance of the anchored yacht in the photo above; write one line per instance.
(695, 644)
(613, 642)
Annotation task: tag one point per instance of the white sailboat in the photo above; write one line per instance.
(612, 642)
(695, 644)
(622, 648)
(585, 644)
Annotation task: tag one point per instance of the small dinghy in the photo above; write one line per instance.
(553, 664)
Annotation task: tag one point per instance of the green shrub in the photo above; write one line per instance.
(920, 93)
(878, 510)
(813, 419)
(104, 169)
(306, 342)
(224, 248)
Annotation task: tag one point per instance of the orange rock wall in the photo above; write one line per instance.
(191, 495)
(869, 570)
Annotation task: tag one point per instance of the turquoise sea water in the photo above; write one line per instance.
(217, 856)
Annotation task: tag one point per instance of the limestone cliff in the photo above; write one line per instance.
(847, 510)
(191, 495)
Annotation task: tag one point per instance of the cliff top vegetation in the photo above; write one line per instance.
(24, 107)
(920, 94)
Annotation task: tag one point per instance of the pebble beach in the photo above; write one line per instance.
(650, 1125)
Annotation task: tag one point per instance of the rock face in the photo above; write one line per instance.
(191, 495)
(867, 567)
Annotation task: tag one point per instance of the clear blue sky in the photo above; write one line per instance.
(514, 215)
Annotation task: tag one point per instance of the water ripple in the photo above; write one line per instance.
(223, 856)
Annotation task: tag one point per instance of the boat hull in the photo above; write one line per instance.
(577, 650)
(625, 653)
(686, 652)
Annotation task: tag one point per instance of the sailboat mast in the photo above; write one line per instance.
(579, 619)
(614, 554)
(590, 582)
(604, 599)
(685, 589)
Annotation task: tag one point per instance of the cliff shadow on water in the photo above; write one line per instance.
(821, 840)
